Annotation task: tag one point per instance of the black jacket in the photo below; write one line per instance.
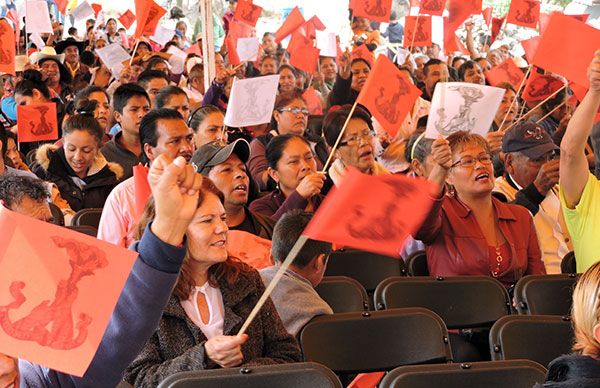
(572, 371)
(52, 166)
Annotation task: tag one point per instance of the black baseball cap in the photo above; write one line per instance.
(216, 152)
(529, 139)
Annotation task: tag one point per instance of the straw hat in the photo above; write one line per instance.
(47, 52)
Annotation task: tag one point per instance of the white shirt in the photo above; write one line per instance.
(216, 310)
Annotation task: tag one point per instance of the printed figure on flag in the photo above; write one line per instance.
(251, 101)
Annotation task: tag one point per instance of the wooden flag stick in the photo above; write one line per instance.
(516, 97)
(282, 268)
(339, 138)
(137, 42)
(535, 107)
(552, 111)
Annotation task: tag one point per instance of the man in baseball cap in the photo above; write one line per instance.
(530, 180)
(225, 165)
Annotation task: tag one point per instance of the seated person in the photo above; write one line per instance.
(213, 297)
(582, 367)
(208, 125)
(469, 232)
(295, 297)
(293, 167)
(173, 97)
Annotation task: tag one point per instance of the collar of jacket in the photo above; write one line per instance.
(502, 211)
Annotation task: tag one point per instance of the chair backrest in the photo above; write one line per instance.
(490, 374)
(461, 301)
(568, 263)
(545, 294)
(375, 341)
(89, 217)
(343, 294)
(366, 267)
(297, 375)
(416, 264)
(58, 217)
(540, 338)
(89, 230)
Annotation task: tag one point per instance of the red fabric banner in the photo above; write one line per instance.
(378, 10)
(507, 71)
(149, 12)
(530, 46)
(496, 26)
(524, 13)
(37, 122)
(247, 12)
(7, 48)
(540, 86)
(432, 7)
(417, 31)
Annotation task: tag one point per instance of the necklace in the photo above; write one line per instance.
(499, 258)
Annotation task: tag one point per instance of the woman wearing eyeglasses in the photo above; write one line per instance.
(292, 165)
(469, 232)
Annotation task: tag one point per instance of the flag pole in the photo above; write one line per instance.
(137, 42)
(552, 111)
(414, 31)
(516, 96)
(339, 138)
(535, 107)
(282, 268)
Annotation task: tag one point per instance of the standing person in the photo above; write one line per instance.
(579, 189)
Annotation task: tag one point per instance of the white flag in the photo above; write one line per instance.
(37, 39)
(177, 60)
(37, 17)
(162, 34)
(113, 57)
(459, 106)
(83, 11)
(247, 49)
(251, 101)
(327, 43)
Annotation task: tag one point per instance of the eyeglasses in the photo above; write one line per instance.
(366, 135)
(469, 161)
(295, 111)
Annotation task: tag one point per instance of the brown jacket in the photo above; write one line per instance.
(178, 344)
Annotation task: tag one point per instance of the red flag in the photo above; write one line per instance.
(451, 42)
(232, 55)
(97, 8)
(298, 40)
(496, 26)
(460, 10)
(61, 5)
(194, 49)
(417, 31)
(247, 12)
(150, 13)
(7, 48)
(142, 189)
(524, 13)
(124, 40)
(507, 71)
(294, 21)
(578, 91)
(37, 122)
(346, 217)
(540, 86)
(305, 57)
(362, 52)
(311, 26)
(314, 103)
(432, 7)
(575, 41)
(379, 10)
(388, 95)
(487, 15)
(58, 290)
(530, 46)
(239, 30)
(249, 248)
(127, 19)
(545, 19)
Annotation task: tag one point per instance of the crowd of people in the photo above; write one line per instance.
(510, 204)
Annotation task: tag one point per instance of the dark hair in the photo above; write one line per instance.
(432, 62)
(277, 145)
(270, 57)
(87, 58)
(200, 114)
(114, 20)
(356, 60)
(82, 102)
(71, 30)
(287, 231)
(148, 75)
(457, 58)
(334, 121)
(13, 188)
(84, 122)
(124, 93)
(164, 95)
(289, 67)
(468, 65)
(506, 86)
(555, 101)
(32, 79)
(4, 140)
(283, 100)
(149, 123)
(153, 61)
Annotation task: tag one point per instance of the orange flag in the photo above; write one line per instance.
(507, 71)
(247, 12)
(150, 13)
(294, 21)
(432, 7)
(314, 103)
(378, 10)
(37, 122)
(232, 55)
(7, 48)
(524, 13)
(142, 189)
(540, 86)
(362, 52)
(388, 95)
(530, 46)
(127, 19)
(348, 218)
(249, 248)
(58, 289)
(417, 31)
(305, 57)
(574, 40)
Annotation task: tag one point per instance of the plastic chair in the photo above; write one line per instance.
(89, 217)
(461, 301)
(540, 338)
(297, 375)
(366, 267)
(568, 263)
(416, 264)
(85, 229)
(351, 343)
(545, 294)
(343, 294)
(494, 374)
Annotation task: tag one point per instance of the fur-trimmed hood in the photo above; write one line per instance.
(44, 153)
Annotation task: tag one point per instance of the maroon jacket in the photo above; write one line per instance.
(455, 244)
